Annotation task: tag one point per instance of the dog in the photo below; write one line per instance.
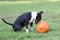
(25, 19)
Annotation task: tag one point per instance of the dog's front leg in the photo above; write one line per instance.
(31, 24)
(27, 28)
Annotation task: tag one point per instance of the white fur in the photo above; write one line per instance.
(31, 28)
(27, 31)
(34, 14)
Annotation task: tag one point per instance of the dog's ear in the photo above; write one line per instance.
(40, 12)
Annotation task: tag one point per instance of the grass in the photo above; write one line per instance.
(10, 12)
(23, 0)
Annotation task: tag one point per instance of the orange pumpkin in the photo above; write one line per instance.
(42, 27)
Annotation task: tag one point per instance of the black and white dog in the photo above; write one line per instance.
(25, 19)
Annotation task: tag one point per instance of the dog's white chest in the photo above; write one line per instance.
(33, 18)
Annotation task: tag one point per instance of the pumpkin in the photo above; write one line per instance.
(42, 27)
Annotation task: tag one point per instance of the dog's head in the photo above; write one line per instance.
(38, 17)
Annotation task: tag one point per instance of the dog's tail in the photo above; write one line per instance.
(7, 22)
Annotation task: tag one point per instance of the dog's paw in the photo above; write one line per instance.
(27, 31)
(31, 28)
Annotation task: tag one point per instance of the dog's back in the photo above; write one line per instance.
(23, 18)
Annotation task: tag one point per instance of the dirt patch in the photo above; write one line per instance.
(9, 17)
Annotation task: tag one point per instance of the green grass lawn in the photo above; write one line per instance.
(10, 11)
